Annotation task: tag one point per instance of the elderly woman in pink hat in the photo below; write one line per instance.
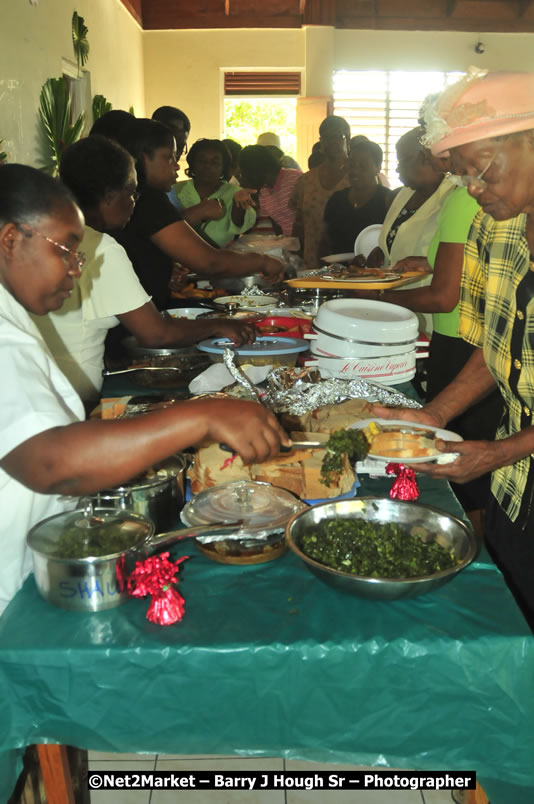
(486, 123)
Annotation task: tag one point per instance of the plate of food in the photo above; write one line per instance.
(357, 273)
(398, 441)
(332, 258)
(249, 302)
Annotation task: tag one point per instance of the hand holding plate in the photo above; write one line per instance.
(475, 458)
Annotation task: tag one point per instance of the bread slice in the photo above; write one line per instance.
(212, 466)
(396, 444)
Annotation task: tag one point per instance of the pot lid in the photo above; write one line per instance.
(265, 345)
(367, 320)
(133, 348)
(88, 533)
(262, 508)
(157, 475)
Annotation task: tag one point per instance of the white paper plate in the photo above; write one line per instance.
(389, 277)
(188, 312)
(345, 257)
(367, 240)
(441, 458)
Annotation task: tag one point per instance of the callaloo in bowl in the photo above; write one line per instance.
(429, 524)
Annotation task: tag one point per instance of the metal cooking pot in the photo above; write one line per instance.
(98, 582)
(311, 296)
(158, 495)
(187, 360)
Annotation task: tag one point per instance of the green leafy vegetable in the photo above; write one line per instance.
(351, 443)
(375, 550)
(76, 542)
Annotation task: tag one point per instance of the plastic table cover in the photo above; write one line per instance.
(271, 661)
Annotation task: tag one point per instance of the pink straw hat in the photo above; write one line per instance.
(479, 106)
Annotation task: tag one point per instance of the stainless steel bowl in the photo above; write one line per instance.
(240, 284)
(447, 530)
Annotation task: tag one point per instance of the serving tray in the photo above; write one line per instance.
(331, 284)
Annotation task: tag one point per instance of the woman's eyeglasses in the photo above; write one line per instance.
(475, 182)
(75, 259)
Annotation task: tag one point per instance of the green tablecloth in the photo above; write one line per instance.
(271, 661)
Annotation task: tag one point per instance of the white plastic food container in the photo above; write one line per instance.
(364, 338)
(388, 370)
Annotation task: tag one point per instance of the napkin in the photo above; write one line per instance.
(217, 376)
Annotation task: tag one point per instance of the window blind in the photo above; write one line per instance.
(384, 104)
(243, 83)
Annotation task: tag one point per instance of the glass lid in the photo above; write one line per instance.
(89, 533)
(261, 507)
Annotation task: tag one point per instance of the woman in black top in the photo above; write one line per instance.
(365, 202)
(156, 236)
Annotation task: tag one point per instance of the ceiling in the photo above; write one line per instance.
(507, 16)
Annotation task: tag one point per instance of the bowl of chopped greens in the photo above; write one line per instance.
(382, 548)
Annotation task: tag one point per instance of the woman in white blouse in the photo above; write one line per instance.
(101, 175)
(46, 450)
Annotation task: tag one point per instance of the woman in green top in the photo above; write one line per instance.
(448, 351)
(209, 163)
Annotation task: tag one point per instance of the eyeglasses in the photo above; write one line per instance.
(475, 182)
(75, 259)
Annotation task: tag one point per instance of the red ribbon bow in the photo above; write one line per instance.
(405, 486)
(156, 576)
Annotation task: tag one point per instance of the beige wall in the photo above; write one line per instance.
(433, 50)
(33, 42)
(184, 68)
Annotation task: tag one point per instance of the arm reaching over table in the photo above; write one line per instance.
(46, 448)
(154, 331)
(476, 457)
(183, 244)
(85, 457)
(473, 383)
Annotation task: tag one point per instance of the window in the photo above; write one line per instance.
(383, 105)
(246, 117)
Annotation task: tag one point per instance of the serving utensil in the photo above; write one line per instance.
(284, 448)
(110, 373)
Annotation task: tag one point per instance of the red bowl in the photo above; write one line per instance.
(284, 326)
